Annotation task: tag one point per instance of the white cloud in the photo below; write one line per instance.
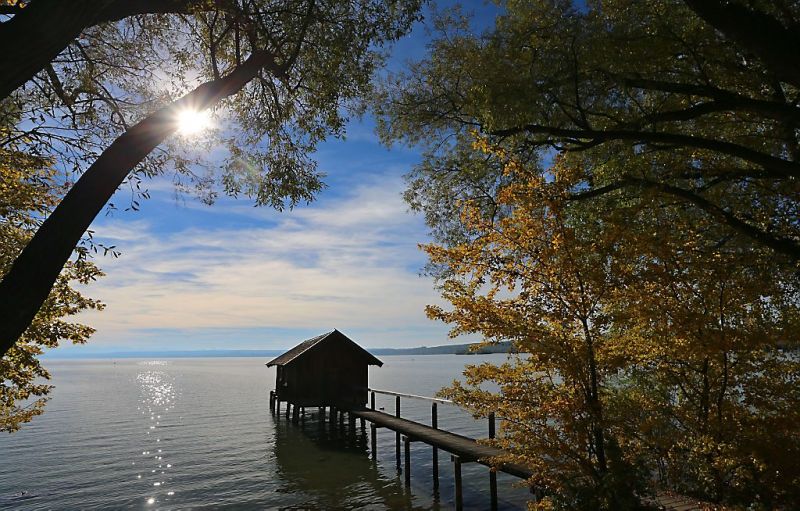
(350, 263)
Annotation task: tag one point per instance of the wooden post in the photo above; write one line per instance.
(288, 408)
(278, 405)
(341, 420)
(493, 488)
(457, 476)
(492, 473)
(374, 431)
(363, 423)
(435, 425)
(352, 421)
(397, 434)
(272, 400)
(407, 449)
(372, 400)
(296, 414)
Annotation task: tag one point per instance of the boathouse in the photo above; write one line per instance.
(327, 370)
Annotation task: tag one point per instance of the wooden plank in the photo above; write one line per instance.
(412, 396)
(467, 449)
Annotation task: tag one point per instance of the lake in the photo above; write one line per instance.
(196, 433)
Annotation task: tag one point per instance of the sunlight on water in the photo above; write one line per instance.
(158, 395)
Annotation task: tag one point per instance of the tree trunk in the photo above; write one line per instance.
(593, 401)
(43, 29)
(31, 277)
(756, 31)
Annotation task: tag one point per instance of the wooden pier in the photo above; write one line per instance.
(330, 372)
(462, 449)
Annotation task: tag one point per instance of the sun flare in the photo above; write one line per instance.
(192, 122)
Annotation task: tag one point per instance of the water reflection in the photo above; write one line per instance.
(331, 468)
(158, 394)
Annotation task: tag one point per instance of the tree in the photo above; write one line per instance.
(28, 193)
(711, 328)
(648, 346)
(614, 189)
(289, 70)
(526, 277)
(708, 102)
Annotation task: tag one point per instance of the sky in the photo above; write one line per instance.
(233, 276)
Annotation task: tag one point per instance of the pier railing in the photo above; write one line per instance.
(434, 408)
(412, 396)
(435, 425)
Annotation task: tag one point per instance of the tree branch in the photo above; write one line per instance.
(779, 244)
(735, 102)
(49, 26)
(585, 138)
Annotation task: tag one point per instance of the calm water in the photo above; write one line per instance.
(197, 433)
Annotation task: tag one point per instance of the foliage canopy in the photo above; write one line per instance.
(615, 190)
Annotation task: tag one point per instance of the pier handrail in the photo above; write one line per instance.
(412, 396)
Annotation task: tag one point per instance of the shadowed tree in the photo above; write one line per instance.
(708, 101)
(614, 189)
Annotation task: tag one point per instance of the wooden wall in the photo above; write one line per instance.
(333, 373)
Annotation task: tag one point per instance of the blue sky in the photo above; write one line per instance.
(232, 276)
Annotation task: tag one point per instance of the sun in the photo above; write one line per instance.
(191, 122)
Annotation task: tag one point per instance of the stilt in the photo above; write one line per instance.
(278, 405)
(363, 423)
(435, 425)
(397, 434)
(288, 408)
(492, 473)
(407, 449)
(374, 430)
(457, 476)
(351, 428)
(272, 400)
(493, 488)
(341, 420)
(296, 415)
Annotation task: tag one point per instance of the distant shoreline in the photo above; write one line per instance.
(453, 349)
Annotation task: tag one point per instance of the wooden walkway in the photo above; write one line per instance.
(468, 449)
(461, 448)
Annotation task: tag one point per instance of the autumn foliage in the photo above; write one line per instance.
(29, 190)
(648, 346)
(613, 186)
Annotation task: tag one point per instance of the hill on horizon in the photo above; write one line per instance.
(450, 349)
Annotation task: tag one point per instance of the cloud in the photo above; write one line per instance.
(349, 262)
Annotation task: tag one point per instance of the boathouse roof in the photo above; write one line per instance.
(333, 336)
